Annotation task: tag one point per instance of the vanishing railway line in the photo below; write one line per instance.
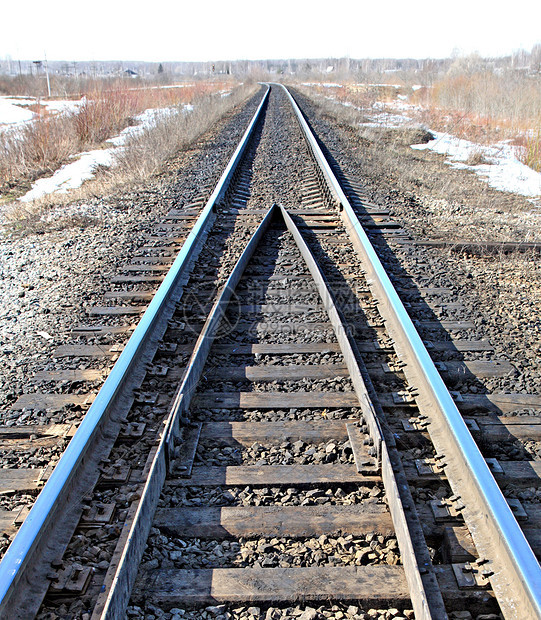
(274, 437)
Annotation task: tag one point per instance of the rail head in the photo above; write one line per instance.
(23, 550)
(497, 535)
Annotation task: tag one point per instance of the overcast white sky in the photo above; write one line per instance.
(168, 30)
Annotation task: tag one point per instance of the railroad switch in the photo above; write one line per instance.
(472, 425)
(429, 467)
(494, 465)
(457, 545)
(46, 474)
(169, 348)
(365, 460)
(21, 516)
(419, 423)
(184, 453)
(70, 580)
(146, 398)
(177, 325)
(157, 370)
(403, 398)
(457, 396)
(118, 473)
(410, 425)
(392, 368)
(518, 509)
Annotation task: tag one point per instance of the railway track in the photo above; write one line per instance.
(274, 439)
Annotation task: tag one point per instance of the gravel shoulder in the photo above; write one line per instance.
(47, 279)
(434, 199)
(500, 293)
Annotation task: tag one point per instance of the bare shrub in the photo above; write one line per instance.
(509, 98)
(35, 148)
(530, 152)
(100, 116)
(43, 145)
(470, 101)
(483, 106)
(146, 151)
(143, 155)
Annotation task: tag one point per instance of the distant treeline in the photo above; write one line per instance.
(523, 60)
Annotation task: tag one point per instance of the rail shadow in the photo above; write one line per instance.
(446, 346)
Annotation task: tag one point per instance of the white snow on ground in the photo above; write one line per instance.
(325, 85)
(14, 113)
(11, 113)
(386, 119)
(54, 106)
(380, 116)
(502, 169)
(71, 175)
(146, 120)
(13, 109)
(75, 174)
(63, 105)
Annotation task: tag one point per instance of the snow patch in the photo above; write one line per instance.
(75, 174)
(502, 170)
(11, 113)
(63, 106)
(71, 175)
(323, 84)
(146, 120)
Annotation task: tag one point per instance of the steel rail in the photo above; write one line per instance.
(114, 599)
(426, 605)
(365, 402)
(51, 501)
(511, 565)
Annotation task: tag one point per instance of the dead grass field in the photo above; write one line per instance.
(469, 99)
(435, 200)
(40, 147)
(144, 155)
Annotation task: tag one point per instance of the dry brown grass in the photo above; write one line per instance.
(476, 158)
(511, 100)
(485, 107)
(143, 155)
(44, 145)
(360, 96)
(146, 151)
(36, 148)
(435, 200)
(477, 105)
(75, 87)
(529, 152)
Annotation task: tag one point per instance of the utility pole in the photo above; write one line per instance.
(47, 74)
